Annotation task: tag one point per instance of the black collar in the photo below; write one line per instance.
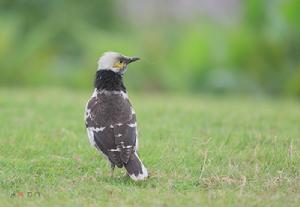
(109, 80)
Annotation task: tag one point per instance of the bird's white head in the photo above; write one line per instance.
(115, 62)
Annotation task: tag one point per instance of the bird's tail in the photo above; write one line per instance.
(135, 168)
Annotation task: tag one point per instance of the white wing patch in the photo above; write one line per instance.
(97, 129)
(132, 125)
(87, 113)
(91, 137)
(91, 131)
(124, 95)
(132, 110)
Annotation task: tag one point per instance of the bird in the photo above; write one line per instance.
(110, 119)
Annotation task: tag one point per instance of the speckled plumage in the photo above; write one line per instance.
(113, 112)
(111, 123)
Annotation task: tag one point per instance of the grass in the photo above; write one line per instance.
(209, 151)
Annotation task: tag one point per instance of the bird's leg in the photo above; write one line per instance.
(112, 170)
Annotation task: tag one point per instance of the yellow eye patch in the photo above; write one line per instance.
(118, 65)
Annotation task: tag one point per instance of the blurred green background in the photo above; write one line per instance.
(195, 46)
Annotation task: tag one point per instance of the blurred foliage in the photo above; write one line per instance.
(58, 42)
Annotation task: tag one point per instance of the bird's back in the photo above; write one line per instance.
(111, 123)
(108, 108)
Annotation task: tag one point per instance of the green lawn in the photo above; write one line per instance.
(208, 151)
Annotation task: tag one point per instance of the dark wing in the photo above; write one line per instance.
(111, 124)
(125, 139)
